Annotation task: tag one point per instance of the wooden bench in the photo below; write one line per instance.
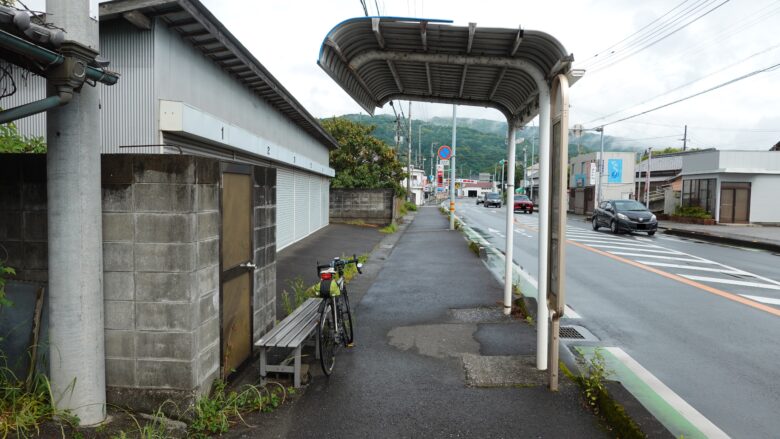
(290, 333)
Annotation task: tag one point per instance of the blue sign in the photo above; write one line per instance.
(615, 167)
(445, 152)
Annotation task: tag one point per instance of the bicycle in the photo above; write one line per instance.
(335, 324)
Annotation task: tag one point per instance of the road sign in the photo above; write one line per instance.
(445, 162)
(445, 152)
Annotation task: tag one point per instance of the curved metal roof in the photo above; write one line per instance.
(379, 59)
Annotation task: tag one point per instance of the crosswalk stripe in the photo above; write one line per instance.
(767, 300)
(691, 267)
(665, 251)
(730, 282)
(671, 258)
(604, 241)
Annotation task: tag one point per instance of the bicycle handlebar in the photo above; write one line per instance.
(339, 264)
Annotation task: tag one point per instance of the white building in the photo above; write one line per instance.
(617, 180)
(417, 185)
(734, 186)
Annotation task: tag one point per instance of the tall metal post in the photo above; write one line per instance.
(452, 169)
(685, 138)
(533, 153)
(525, 169)
(502, 191)
(600, 168)
(542, 312)
(647, 177)
(510, 235)
(409, 158)
(75, 229)
(419, 143)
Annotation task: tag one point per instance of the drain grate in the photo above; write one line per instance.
(569, 332)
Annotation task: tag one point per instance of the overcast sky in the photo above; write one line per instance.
(286, 36)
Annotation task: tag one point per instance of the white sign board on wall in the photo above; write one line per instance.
(592, 174)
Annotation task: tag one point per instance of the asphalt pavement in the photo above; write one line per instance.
(434, 356)
(699, 317)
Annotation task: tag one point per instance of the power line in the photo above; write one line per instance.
(365, 9)
(732, 81)
(377, 8)
(619, 140)
(745, 130)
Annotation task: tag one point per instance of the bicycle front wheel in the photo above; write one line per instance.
(345, 316)
(326, 337)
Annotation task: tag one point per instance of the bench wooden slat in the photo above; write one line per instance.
(300, 333)
(301, 314)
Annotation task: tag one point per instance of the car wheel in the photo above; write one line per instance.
(595, 223)
(531, 212)
(613, 227)
(651, 233)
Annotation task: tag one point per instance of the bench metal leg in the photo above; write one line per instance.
(297, 373)
(263, 365)
(316, 347)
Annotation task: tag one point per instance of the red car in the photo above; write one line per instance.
(524, 204)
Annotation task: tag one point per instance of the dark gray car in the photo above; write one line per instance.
(493, 199)
(624, 216)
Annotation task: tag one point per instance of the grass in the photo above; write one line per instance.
(474, 247)
(390, 228)
(692, 212)
(301, 292)
(409, 206)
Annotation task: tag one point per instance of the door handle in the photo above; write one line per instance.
(248, 265)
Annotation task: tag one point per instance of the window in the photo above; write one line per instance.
(699, 193)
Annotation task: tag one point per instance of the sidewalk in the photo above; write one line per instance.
(434, 356)
(752, 236)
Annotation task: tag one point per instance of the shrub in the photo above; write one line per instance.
(692, 212)
(409, 206)
(390, 228)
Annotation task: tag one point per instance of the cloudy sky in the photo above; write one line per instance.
(735, 38)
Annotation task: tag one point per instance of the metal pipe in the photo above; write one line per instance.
(510, 176)
(49, 58)
(75, 250)
(409, 158)
(452, 169)
(544, 225)
(599, 195)
(35, 107)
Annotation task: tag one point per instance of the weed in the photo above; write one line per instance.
(474, 247)
(530, 320)
(409, 206)
(356, 222)
(592, 378)
(300, 292)
(390, 228)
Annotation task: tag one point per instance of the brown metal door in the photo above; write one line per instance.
(237, 268)
(726, 205)
(741, 205)
(735, 203)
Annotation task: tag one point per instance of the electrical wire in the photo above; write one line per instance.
(724, 84)
(365, 9)
(379, 14)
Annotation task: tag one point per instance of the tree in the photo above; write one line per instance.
(362, 160)
(13, 142)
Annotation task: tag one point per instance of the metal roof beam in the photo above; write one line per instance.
(138, 20)
(518, 40)
(497, 82)
(463, 80)
(377, 32)
(336, 48)
(183, 22)
(428, 77)
(472, 31)
(395, 76)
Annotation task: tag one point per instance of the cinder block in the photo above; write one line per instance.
(116, 169)
(117, 197)
(119, 314)
(209, 307)
(208, 333)
(13, 253)
(164, 227)
(10, 224)
(208, 253)
(164, 198)
(165, 316)
(208, 225)
(207, 170)
(118, 285)
(120, 372)
(118, 256)
(11, 195)
(120, 344)
(207, 279)
(36, 255)
(34, 196)
(166, 345)
(166, 374)
(208, 197)
(164, 287)
(164, 257)
(118, 227)
(164, 169)
(208, 363)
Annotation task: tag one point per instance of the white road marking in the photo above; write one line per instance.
(665, 251)
(692, 267)
(671, 258)
(731, 282)
(698, 420)
(767, 300)
(615, 241)
(492, 230)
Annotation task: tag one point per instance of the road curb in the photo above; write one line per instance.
(704, 236)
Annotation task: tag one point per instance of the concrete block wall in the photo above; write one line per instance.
(372, 206)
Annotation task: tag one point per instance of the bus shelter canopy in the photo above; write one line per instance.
(379, 59)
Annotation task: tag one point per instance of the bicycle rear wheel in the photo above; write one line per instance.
(326, 336)
(345, 316)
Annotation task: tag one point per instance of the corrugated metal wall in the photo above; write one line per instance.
(29, 88)
(128, 112)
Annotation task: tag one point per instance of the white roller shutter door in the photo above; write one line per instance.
(302, 195)
(285, 208)
(325, 201)
(315, 182)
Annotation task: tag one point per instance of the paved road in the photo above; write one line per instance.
(702, 318)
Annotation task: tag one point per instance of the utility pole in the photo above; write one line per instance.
(525, 169)
(419, 143)
(502, 177)
(409, 158)
(75, 227)
(452, 168)
(647, 177)
(685, 137)
(600, 166)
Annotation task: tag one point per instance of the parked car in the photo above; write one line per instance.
(524, 204)
(481, 198)
(493, 199)
(624, 216)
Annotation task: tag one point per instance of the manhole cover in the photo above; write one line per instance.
(569, 332)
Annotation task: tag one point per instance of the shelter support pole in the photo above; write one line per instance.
(542, 313)
(452, 169)
(510, 235)
(75, 252)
